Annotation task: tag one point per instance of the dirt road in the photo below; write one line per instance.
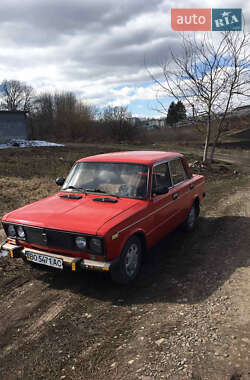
(186, 317)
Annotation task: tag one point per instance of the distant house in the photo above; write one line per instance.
(154, 123)
(13, 125)
(149, 124)
(134, 120)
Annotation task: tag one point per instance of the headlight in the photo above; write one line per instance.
(11, 230)
(81, 242)
(20, 232)
(95, 245)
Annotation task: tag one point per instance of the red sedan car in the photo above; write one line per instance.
(109, 210)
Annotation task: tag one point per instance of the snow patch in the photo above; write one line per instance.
(27, 143)
(4, 253)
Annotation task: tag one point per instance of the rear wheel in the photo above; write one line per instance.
(191, 220)
(129, 264)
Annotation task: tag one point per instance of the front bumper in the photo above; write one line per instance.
(75, 263)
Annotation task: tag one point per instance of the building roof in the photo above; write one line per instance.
(140, 156)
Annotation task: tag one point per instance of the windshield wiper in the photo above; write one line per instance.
(95, 191)
(101, 191)
(74, 188)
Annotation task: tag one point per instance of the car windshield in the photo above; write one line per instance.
(119, 179)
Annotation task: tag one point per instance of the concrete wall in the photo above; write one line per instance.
(13, 125)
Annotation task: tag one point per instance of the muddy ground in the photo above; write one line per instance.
(186, 317)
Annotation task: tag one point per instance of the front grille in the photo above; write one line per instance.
(52, 238)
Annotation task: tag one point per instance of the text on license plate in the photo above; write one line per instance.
(45, 260)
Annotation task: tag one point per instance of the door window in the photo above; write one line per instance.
(161, 180)
(177, 171)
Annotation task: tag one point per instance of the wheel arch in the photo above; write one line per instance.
(142, 237)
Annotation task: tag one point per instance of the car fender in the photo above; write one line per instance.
(117, 240)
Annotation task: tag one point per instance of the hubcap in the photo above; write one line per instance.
(191, 217)
(131, 260)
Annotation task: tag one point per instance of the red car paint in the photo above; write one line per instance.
(152, 217)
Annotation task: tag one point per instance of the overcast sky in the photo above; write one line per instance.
(96, 48)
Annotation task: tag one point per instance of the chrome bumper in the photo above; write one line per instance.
(76, 263)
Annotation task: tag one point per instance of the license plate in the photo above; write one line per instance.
(44, 259)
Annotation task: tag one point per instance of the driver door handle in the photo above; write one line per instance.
(175, 196)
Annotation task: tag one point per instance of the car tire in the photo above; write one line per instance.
(129, 264)
(190, 222)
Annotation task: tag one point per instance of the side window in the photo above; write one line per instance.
(177, 171)
(161, 179)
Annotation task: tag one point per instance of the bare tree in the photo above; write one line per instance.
(211, 76)
(43, 116)
(117, 119)
(62, 115)
(16, 96)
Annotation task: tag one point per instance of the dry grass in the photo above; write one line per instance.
(181, 136)
(28, 174)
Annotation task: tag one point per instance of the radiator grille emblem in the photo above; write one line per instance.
(44, 237)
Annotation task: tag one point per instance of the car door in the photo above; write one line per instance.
(162, 203)
(181, 189)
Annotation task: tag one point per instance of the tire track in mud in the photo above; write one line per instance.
(25, 313)
(36, 329)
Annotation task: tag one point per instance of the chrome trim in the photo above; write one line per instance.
(97, 264)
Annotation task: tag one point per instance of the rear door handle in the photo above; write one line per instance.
(191, 186)
(175, 196)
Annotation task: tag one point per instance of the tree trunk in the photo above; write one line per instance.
(213, 148)
(205, 153)
(219, 131)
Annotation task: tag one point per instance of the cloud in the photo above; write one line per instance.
(98, 49)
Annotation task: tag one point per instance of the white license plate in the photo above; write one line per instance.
(44, 260)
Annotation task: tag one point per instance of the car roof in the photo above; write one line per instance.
(147, 157)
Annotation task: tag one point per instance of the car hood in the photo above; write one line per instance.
(76, 215)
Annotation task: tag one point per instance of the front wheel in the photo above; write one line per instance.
(129, 264)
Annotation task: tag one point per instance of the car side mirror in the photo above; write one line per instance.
(60, 181)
